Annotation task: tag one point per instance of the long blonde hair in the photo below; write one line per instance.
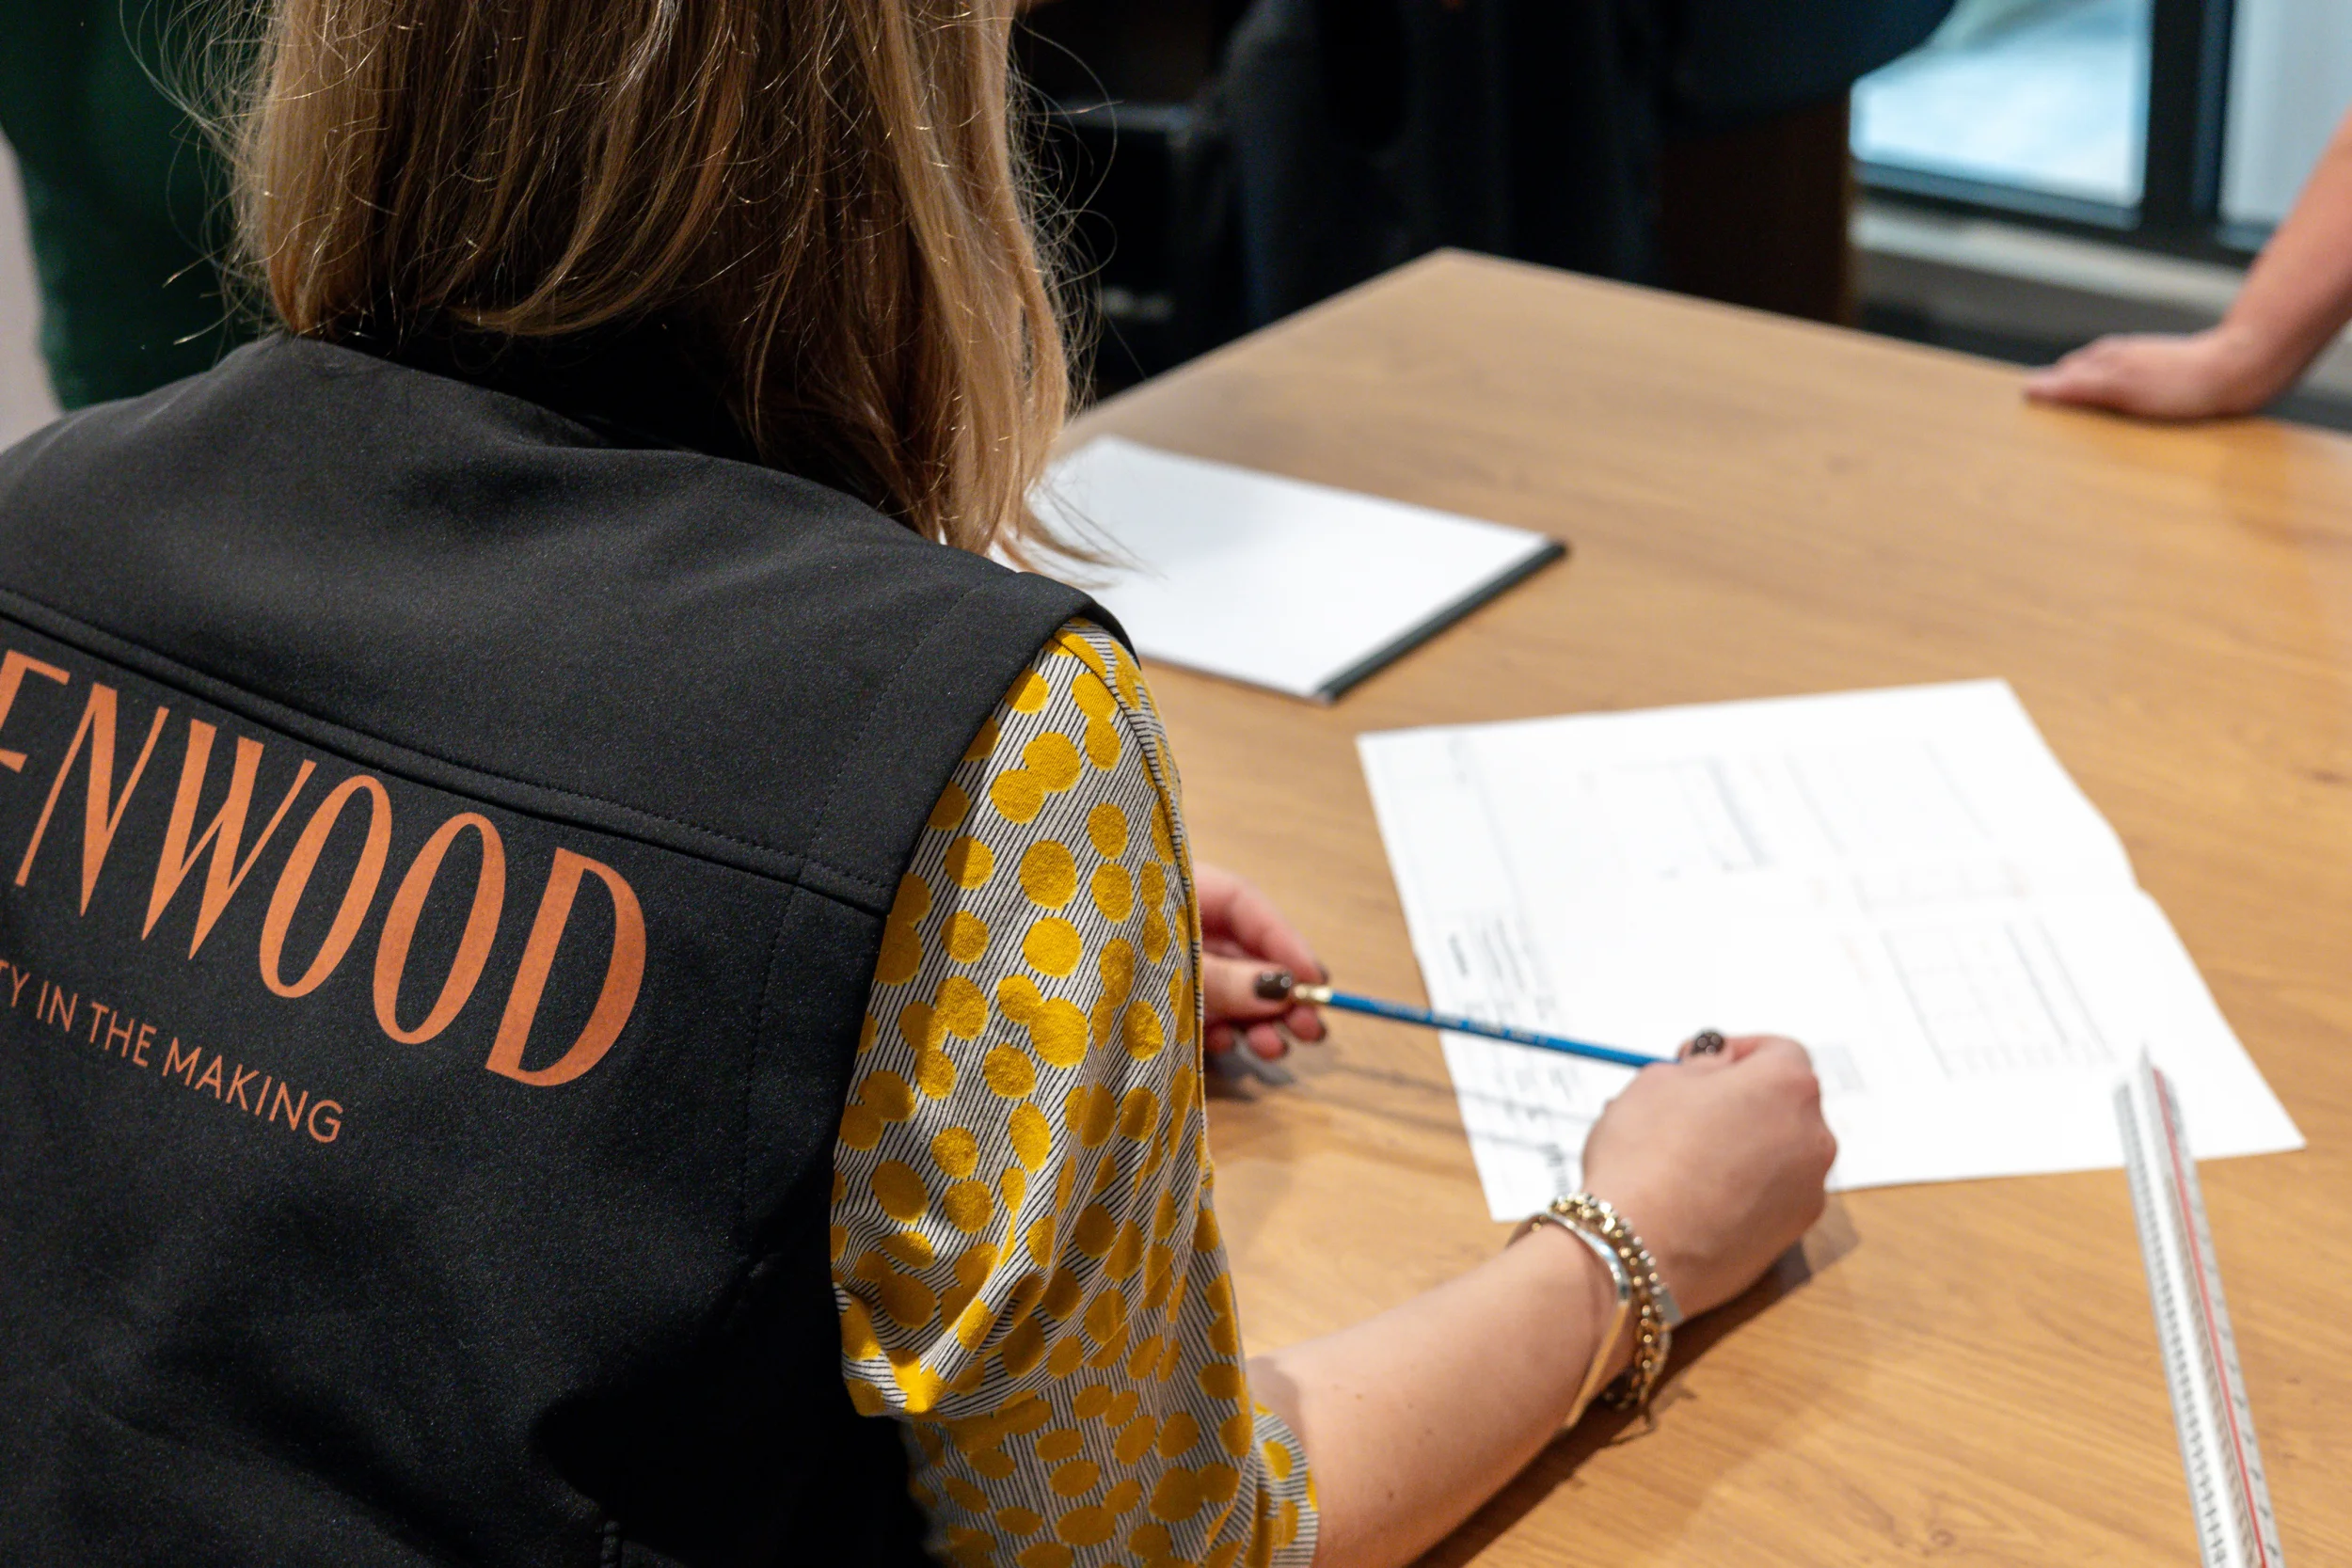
(825, 194)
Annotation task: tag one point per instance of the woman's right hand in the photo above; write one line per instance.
(1412, 1417)
(1717, 1162)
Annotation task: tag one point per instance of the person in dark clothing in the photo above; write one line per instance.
(1342, 138)
(585, 978)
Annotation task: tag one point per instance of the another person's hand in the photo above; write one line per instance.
(1717, 1162)
(2200, 377)
(1244, 936)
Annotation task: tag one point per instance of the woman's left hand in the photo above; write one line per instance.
(1244, 936)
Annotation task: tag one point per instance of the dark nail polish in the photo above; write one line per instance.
(1274, 985)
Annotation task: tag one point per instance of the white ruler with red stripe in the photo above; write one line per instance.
(2236, 1527)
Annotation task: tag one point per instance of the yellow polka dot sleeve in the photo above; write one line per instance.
(1025, 1255)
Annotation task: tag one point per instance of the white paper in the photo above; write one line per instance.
(1270, 581)
(1907, 881)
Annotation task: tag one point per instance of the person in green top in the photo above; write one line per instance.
(121, 193)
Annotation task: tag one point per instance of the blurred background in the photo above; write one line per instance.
(25, 399)
(2009, 177)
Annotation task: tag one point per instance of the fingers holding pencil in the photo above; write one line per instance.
(1709, 1046)
(1699, 1047)
(1706, 1049)
(1248, 1004)
(1248, 948)
(1324, 995)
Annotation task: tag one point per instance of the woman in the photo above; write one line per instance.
(589, 981)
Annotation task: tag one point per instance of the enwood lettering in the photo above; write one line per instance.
(473, 948)
(623, 972)
(103, 811)
(357, 896)
(224, 874)
(227, 858)
(14, 667)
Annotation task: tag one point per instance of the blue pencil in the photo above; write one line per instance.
(1324, 996)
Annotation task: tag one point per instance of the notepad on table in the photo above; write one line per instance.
(1906, 880)
(1274, 581)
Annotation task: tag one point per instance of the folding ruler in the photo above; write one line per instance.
(2236, 1527)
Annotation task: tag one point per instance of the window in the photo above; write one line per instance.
(2289, 80)
(2181, 125)
(2047, 96)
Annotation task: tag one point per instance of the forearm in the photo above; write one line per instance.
(2298, 294)
(1412, 1418)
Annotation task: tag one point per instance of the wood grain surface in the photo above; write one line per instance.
(1760, 507)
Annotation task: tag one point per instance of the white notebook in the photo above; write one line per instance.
(1297, 586)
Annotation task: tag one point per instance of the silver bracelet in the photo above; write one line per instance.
(1657, 1313)
(1668, 1309)
(1597, 1368)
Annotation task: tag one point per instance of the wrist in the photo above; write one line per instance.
(1584, 1270)
(1685, 1271)
(1616, 1350)
(2253, 362)
(1642, 1288)
(1601, 1284)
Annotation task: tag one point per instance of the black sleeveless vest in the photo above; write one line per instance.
(443, 853)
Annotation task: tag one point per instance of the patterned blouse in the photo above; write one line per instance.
(1024, 1250)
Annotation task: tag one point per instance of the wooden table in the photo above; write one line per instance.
(1760, 507)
